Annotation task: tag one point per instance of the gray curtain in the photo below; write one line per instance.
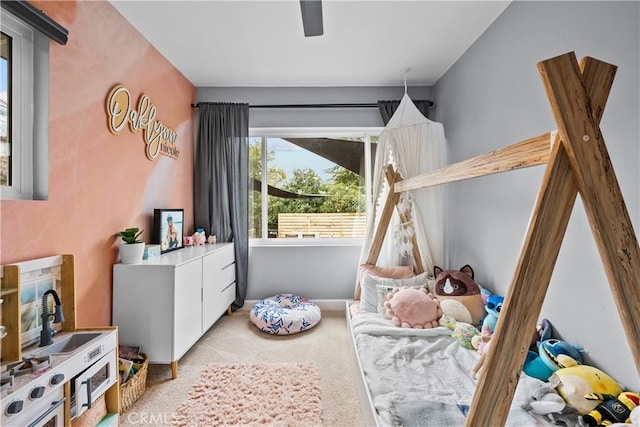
(387, 108)
(220, 187)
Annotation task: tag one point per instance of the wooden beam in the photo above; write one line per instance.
(524, 299)
(67, 276)
(393, 198)
(385, 216)
(530, 152)
(599, 190)
(394, 177)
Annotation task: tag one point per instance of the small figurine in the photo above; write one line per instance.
(211, 239)
(198, 238)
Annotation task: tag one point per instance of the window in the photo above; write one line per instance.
(317, 183)
(5, 109)
(24, 70)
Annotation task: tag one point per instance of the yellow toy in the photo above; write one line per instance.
(574, 382)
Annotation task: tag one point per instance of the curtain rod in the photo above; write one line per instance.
(369, 105)
(37, 19)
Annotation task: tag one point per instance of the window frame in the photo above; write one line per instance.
(309, 132)
(29, 110)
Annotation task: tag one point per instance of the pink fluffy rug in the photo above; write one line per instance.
(251, 395)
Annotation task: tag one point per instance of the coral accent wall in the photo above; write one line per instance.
(100, 183)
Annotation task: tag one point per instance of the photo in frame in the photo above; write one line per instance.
(168, 225)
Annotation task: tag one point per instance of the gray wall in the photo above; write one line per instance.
(318, 272)
(493, 97)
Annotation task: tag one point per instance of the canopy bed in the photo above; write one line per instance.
(577, 161)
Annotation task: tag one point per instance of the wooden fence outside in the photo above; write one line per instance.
(321, 225)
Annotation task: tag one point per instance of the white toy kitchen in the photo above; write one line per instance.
(53, 373)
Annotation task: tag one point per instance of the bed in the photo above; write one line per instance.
(577, 94)
(422, 377)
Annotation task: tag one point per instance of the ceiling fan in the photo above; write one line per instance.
(312, 17)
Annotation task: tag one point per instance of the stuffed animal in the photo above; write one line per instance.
(576, 381)
(548, 403)
(545, 400)
(493, 307)
(481, 343)
(542, 333)
(549, 358)
(199, 238)
(459, 294)
(212, 239)
(463, 333)
(635, 416)
(413, 308)
(612, 409)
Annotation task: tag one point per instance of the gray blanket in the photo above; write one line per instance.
(422, 377)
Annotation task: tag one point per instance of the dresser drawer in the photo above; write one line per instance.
(228, 274)
(225, 256)
(229, 294)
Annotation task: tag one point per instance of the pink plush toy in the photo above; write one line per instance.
(413, 308)
(199, 238)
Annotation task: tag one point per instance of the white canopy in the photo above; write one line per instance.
(414, 145)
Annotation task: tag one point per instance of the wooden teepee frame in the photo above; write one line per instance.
(393, 199)
(577, 162)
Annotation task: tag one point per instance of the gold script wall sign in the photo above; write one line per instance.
(159, 139)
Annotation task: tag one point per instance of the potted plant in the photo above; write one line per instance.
(132, 249)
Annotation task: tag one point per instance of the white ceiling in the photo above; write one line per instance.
(261, 43)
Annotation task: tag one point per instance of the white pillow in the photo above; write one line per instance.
(369, 295)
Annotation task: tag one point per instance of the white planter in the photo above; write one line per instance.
(131, 253)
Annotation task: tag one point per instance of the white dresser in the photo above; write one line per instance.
(165, 304)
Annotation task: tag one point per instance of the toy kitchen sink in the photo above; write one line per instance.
(52, 380)
(33, 388)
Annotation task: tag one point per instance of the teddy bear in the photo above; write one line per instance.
(459, 294)
(413, 308)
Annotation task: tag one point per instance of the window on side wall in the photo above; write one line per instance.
(24, 66)
(308, 186)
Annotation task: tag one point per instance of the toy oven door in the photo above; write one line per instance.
(92, 383)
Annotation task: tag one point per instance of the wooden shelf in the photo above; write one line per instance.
(10, 293)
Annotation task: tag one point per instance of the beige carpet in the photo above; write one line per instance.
(253, 395)
(235, 340)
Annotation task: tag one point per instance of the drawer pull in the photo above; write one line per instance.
(228, 265)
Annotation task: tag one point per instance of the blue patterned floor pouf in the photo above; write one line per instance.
(285, 314)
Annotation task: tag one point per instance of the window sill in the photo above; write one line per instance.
(283, 242)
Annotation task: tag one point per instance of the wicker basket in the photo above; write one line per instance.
(134, 387)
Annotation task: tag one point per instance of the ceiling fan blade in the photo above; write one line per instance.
(312, 17)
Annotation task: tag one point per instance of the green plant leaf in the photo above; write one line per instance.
(130, 235)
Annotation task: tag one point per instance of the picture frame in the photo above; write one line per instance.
(168, 227)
